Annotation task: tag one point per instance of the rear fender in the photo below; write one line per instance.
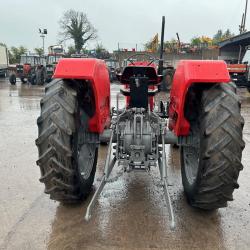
(95, 71)
(191, 72)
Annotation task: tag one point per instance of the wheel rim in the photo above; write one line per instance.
(86, 158)
(191, 156)
(86, 152)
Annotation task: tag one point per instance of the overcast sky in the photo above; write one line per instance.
(128, 22)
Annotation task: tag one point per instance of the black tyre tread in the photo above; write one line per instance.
(46, 156)
(56, 124)
(61, 168)
(12, 79)
(62, 149)
(47, 112)
(46, 133)
(61, 124)
(221, 148)
(51, 84)
(50, 174)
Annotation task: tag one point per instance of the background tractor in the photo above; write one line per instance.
(30, 69)
(55, 53)
(203, 118)
(168, 75)
(239, 70)
(112, 65)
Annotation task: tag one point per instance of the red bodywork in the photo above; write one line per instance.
(23, 70)
(190, 72)
(152, 74)
(26, 68)
(96, 71)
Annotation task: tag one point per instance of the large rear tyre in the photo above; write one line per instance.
(67, 152)
(12, 79)
(32, 79)
(211, 165)
(40, 76)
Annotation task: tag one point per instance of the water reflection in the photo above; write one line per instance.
(131, 213)
(28, 96)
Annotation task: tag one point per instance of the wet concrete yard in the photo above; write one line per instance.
(131, 212)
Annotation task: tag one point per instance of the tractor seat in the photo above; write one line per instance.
(126, 92)
(138, 92)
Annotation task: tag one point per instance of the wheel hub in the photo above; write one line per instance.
(86, 157)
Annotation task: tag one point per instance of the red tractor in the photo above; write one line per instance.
(203, 118)
(55, 54)
(28, 70)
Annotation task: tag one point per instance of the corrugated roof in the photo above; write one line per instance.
(242, 39)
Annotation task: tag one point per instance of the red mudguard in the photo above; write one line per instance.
(190, 72)
(94, 70)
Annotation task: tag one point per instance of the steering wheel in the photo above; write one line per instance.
(137, 55)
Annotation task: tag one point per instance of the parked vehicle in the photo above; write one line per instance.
(168, 76)
(30, 69)
(112, 66)
(239, 71)
(55, 54)
(4, 61)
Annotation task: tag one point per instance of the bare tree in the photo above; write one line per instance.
(75, 25)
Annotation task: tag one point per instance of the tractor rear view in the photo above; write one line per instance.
(203, 118)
